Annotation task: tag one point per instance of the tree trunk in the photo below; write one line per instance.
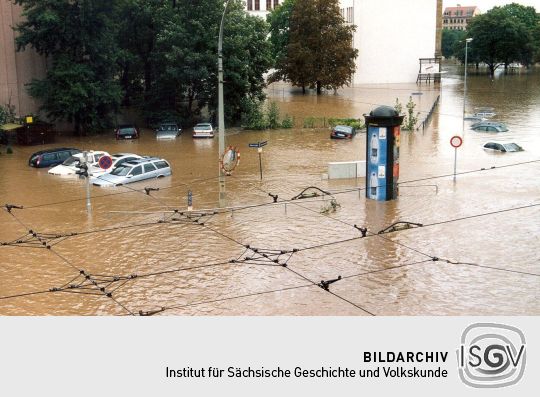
(492, 70)
(303, 89)
(319, 88)
(505, 68)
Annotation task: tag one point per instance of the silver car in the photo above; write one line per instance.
(168, 131)
(489, 126)
(134, 171)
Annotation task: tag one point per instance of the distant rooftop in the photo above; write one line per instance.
(460, 11)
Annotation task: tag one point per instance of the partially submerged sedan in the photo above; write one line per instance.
(489, 126)
(203, 130)
(69, 166)
(503, 147)
(168, 131)
(342, 132)
(134, 171)
(117, 160)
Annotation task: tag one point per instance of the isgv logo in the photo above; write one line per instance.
(491, 355)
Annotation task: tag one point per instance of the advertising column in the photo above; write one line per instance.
(382, 153)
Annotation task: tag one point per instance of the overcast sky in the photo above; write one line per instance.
(485, 5)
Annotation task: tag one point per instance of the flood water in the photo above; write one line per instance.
(185, 264)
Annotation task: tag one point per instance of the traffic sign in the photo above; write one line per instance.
(258, 144)
(456, 141)
(105, 162)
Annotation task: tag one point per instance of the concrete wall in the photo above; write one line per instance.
(16, 68)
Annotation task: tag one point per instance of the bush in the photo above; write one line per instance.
(287, 122)
(410, 120)
(272, 116)
(355, 123)
(252, 114)
(7, 114)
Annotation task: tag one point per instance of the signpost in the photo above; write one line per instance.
(259, 146)
(456, 141)
(105, 162)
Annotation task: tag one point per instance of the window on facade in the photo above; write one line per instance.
(276, 3)
(250, 5)
(268, 5)
(257, 5)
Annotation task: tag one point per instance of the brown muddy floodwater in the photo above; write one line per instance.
(187, 268)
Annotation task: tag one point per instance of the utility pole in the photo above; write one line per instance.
(221, 114)
(467, 41)
(88, 202)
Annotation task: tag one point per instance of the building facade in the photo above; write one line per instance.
(17, 69)
(261, 7)
(391, 36)
(457, 18)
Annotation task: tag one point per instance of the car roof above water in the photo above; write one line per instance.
(61, 149)
(143, 161)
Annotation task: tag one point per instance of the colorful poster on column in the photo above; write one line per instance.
(376, 162)
(395, 179)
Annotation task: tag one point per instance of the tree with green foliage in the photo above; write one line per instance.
(449, 39)
(78, 38)
(504, 35)
(183, 60)
(279, 20)
(319, 52)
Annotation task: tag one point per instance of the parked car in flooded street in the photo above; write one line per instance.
(168, 131)
(117, 160)
(203, 130)
(134, 171)
(126, 131)
(503, 147)
(51, 157)
(489, 126)
(69, 166)
(342, 132)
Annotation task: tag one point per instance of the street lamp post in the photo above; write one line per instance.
(467, 41)
(221, 115)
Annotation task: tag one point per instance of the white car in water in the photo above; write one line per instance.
(117, 160)
(203, 130)
(69, 166)
(134, 171)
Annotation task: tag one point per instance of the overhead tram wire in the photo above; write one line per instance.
(266, 204)
(131, 190)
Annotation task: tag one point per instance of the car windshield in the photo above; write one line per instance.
(341, 128)
(127, 130)
(203, 127)
(169, 127)
(512, 147)
(121, 170)
(72, 161)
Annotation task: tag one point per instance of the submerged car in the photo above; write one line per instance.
(342, 132)
(168, 131)
(69, 166)
(51, 157)
(489, 126)
(117, 160)
(503, 147)
(134, 171)
(485, 112)
(126, 131)
(203, 130)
